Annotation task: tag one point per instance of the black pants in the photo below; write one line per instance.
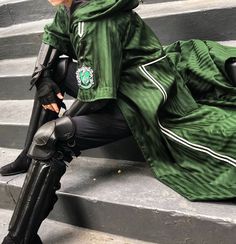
(98, 128)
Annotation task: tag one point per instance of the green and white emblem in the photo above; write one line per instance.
(84, 77)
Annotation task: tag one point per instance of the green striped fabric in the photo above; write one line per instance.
(191, 145)
(178, 101)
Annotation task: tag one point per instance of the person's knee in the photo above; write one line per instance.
(54, 138)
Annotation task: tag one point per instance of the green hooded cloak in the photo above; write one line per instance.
(178, 101)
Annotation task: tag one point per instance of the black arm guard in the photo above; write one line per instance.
(230, 68)
(45, 61)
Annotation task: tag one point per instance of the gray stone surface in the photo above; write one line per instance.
(17, 67)
(181, 7)
(15, 112)
(12, 88)
(24, 29)
(2, 2)
(214, 25)
(23, 11)
(124, 198)
(20, 46)
(55, 232)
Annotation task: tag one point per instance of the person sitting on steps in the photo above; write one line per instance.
(174, 101)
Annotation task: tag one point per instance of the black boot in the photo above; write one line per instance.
(9, 240)
(22, 162)
(20, 165)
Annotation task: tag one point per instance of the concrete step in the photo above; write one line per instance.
(15, 76)
(170, 21)
(17, 67)
(21, 40)
(123, 198)
(153, 10)
(12, 88)
(146, 11)
(15, 12)
(60, 233)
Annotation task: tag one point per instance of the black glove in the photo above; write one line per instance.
(47, 90)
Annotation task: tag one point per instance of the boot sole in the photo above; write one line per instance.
(13, 173)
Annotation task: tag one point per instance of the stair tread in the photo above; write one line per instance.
(125, 183)
(57, 232)
(181, 7)
(152, 10)
(11, 67)
(24, 28)
(3, 2)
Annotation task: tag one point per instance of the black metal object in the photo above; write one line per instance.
(230, 68)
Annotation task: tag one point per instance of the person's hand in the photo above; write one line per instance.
(67, 3)
(48, 94)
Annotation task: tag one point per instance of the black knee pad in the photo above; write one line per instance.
(52, 138)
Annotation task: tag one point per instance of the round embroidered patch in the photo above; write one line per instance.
(84, 77)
